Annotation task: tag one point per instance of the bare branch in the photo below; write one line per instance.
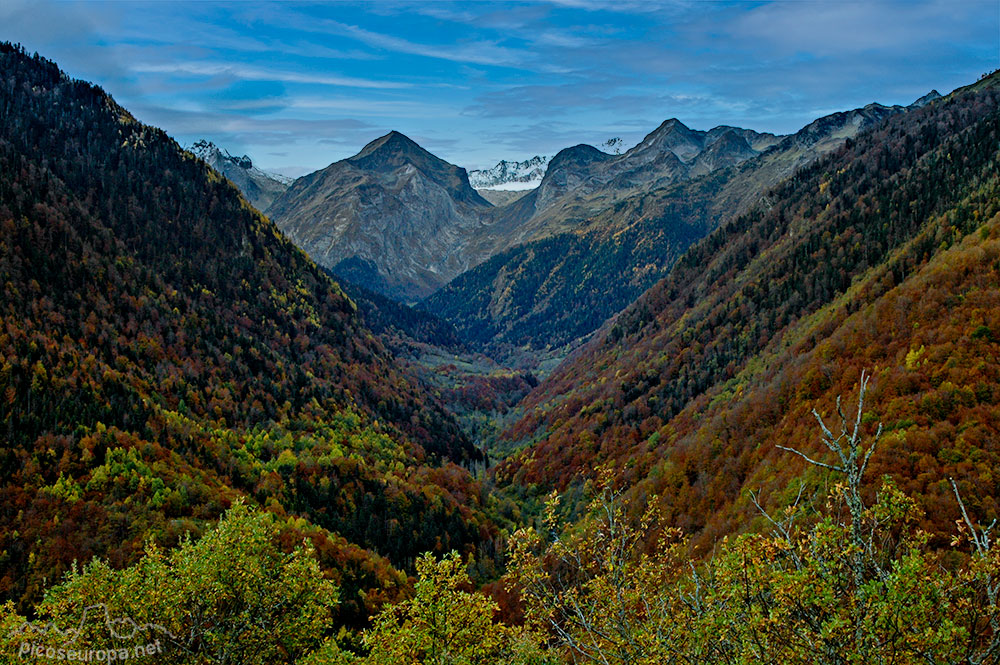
(861, 406)
(843, 418)
(823, 426)
(871, 449)
(812, 461)
(754, 500)
(973, 533)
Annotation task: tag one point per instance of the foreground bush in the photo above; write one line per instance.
(230, 597)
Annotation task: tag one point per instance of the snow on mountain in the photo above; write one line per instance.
(511, 176)
(260, 187)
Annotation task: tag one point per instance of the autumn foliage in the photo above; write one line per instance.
(883, 255)
(164, 350)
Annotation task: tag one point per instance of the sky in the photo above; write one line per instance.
(300, 85)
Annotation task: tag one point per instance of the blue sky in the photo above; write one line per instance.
(297, 86)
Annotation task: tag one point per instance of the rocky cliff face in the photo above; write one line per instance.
(259, 187)
(394, 205)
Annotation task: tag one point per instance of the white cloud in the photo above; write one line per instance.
(478, 52)
(263, 74)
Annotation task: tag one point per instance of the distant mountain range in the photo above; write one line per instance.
(511, 176)
(259, 187)
(419, 222)
(601, 229)
(545, 250)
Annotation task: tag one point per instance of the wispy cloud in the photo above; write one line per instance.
(481, 52)
(263, 74)
(298, 85)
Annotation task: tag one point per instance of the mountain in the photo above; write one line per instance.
(419, 223)
(569, 171)
(165, 351)
(393, 204)
(674, 153)
(400, 327)
(671, 153)
(728, 149)
(926, 99)
(601, 229)
(511, 176)
(259, 187)
(882, 255)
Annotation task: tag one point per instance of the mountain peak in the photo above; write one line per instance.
(731, 137)
(203, 145)
(578, 154)
(731, 147)
(675, 136)
(926, 99)
(394, 205)
(393, 142)
(671, 124)
(212, 153)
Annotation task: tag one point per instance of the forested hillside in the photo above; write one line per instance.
(600, 229)
(881, 256)
(166, 350)
(536, 300)
(397, 325)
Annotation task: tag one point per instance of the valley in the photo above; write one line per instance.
(727, 396)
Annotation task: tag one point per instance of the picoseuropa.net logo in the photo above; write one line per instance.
(127, 640)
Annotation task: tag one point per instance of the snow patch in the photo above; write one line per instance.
(511, 176)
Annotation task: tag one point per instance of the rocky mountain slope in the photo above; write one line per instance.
(165, 350)
(882, 255)
(601, 228)
(394, 204)
(418, 221)
(405, 223)
(259, 187)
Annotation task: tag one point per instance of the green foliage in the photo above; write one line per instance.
(446, 624)
(231, 596)
(600, 592)
(609, 592)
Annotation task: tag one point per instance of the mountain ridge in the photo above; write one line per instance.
(602, 228)
(259, 187)
(511, 176)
